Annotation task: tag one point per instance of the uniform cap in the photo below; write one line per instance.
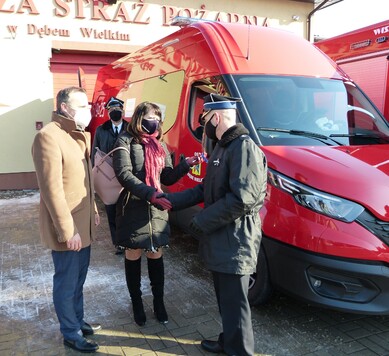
(219, 102)
(114, 102)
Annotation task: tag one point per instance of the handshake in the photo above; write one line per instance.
(160, 201)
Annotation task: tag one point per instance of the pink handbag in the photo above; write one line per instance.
(107, 187)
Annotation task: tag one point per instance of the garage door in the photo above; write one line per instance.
(370, 75)
(65, 66)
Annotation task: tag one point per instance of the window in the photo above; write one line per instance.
(200, 89)
(164, 90)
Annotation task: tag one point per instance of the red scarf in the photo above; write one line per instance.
(154, 160)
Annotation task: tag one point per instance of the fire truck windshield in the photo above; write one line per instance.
(289, 110)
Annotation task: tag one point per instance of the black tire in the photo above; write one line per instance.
(260, 288)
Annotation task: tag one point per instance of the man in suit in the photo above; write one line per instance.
(104, 139)
(68, 214)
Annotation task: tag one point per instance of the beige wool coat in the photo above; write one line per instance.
(61, 158)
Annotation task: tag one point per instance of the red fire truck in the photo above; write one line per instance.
(325, 220)
(363, 55)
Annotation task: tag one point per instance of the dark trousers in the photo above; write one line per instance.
(231, 291)
(71, 268)
(111, 215)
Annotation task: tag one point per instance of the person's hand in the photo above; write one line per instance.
(97, 219)
(195, 227)
(74, 244)
(194, 160)
(160, 202)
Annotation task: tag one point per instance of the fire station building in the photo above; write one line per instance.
(47, 45)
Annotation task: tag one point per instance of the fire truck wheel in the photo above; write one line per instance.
(260, 288)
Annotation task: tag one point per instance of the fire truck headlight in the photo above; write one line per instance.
(323, 203)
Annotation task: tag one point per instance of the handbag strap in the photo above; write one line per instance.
(110, 152)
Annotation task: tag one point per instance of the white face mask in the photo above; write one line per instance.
(80, 110)
(82, 117)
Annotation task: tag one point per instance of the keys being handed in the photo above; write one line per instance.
(194, 160)
(160, 201)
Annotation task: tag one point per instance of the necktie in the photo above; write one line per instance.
(116, 131)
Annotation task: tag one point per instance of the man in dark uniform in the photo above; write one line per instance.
(104, 139)
(229, 226)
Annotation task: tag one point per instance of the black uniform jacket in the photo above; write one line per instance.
(233, 191)
(105, 138)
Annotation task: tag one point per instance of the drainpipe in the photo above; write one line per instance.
(317, 8)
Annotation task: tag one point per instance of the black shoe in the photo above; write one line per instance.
(82, 345)
(119, 251)
(88, 329)
(212, 346)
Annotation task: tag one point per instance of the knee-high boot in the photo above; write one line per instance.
(157, 281)
(133, 278)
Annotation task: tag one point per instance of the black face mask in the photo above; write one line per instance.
(149, 126)
(115, 115)
(210, 130)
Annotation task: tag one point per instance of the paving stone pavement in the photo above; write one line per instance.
(28, 324)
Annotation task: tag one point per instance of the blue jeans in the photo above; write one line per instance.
(71, 268)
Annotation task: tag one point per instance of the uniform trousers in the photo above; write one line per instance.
(111, 215)
(71, 268)
(231, 291)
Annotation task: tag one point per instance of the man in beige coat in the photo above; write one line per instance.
(68, 213)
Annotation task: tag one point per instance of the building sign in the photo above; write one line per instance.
(86, 20)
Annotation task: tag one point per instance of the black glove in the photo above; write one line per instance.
(196, 229)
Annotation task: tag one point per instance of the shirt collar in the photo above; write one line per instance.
(118, 126)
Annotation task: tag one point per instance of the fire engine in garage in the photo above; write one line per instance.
(325, 220)
(363, 54)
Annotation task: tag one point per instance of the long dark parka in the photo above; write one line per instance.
(139, 223)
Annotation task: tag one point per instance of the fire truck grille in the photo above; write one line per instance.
(377, 227)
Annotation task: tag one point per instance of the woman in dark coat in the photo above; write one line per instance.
(142, 211)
